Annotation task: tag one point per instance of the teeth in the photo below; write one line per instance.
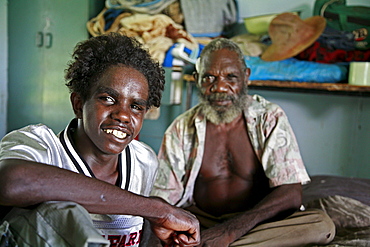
(116, 133)
(119, 134)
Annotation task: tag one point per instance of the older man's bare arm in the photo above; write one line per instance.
(282, 200)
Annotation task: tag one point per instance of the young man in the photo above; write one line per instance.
(234, 162)
(94, 164)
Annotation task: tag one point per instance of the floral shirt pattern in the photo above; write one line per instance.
(181, 152)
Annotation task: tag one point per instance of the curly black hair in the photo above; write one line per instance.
(92, 57)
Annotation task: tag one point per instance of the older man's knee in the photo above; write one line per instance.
(327, 227)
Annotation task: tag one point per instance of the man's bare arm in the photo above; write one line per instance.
(24, 183)
(282, 199)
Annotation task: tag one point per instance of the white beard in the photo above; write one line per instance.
(224, 114)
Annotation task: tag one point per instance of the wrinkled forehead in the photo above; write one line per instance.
(222, 58)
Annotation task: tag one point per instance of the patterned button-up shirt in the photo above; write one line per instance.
(182, 150)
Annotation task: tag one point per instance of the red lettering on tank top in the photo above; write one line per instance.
(120, 241)
(131, 241)
(114, 240)
(140, 236)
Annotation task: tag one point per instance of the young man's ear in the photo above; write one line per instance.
(77, 104)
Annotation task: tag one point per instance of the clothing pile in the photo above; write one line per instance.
(317, 49)
(170, 29)
(310, 50)
(156, 28)
(176, 31)
(346, 37)
(288, 35)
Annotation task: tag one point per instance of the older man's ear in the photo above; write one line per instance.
(247, 75)
(195, 75)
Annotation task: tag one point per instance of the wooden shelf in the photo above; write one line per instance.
(311, 87)
(305, 87)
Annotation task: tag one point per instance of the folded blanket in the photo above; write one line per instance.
(292, 69)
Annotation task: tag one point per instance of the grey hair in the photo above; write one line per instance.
(218, 44)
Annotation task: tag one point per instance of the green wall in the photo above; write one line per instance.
(3, 66)
(333, 131)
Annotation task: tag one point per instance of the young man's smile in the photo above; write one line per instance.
(117, 133)
(113, 115)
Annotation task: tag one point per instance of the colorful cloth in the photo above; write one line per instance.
(317, 52)
(182, 149)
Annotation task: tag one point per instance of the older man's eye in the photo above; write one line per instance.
(232, 77)
(209, 79)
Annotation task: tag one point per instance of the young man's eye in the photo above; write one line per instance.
(138, 107)
(107, 99)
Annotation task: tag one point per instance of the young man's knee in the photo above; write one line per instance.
(55, 223)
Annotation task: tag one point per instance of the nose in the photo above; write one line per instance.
(220, 86)
(121, 113)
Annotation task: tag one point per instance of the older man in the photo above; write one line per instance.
(234, 162)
